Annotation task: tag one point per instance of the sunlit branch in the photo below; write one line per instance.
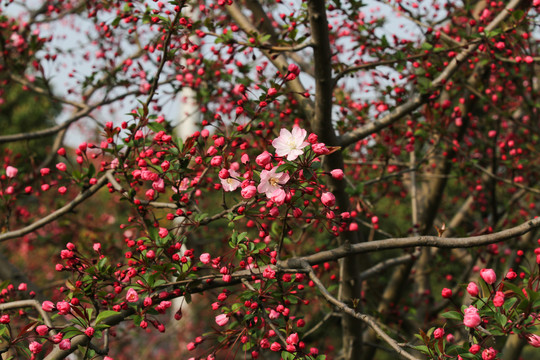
(400, 243)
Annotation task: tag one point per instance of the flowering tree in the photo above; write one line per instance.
(363, 181)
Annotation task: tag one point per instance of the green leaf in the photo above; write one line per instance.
(501, 319)
(454, 315)
(104, 315)
(155, 127)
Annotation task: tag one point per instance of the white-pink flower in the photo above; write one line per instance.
(230, 183)
(222, 319)
(132, 295)
(11, 171)
(290, 144)
(271, 181)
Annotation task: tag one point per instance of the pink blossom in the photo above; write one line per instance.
(22, 287)
(269, 273)
(11, 172)
(42, 330)
(271, 181)
(47, 306)
(159, 185)
(89, 331)
(275, 346)
(489, 354)
(231, 183)
(163, 232)
(337, 174)
(248, 192)
(205, 258)
(272, 92)
(438, 333)
(328, 199)
(278, 197)
(488, 275)
(498, 300)
(474, 349)
(4, 319)
(320, 149)
(293, 339)
(263, 159)
(446, 293)
(63, 307)
(222, 319)
(533, 340)
(290, 144)
(216, 160)
(471, 318)
(132, 295)
(190, 346)
(97, 247)
(273, 314)
(61, 166)
(472, 289)
(65, 344)
(35, 347)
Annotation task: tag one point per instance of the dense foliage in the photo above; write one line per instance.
(362, 180)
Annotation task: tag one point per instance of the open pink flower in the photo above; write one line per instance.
(271, 181)
(290, 144)
(132, 295)
(230, 183)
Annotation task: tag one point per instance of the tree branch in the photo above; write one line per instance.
(400, 243)
(370, 321)
(417, 100)
(58, 213)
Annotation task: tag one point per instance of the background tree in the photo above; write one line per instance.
(355, 179)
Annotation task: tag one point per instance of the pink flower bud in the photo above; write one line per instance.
(205, 258)
(35, 347)
(474, 349)
(65, 344)
(275, 346)
(61, 166)
(263, 159)
(337, 174)
(438, 333)
(472, 289)
(533, 340)
(471, 318)
(11, 172)
(163, 232)
(89, 331)
(488, 275)
(42, 330)
(328, 199)
(248, 192)
(222, 319)
(446, 293)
